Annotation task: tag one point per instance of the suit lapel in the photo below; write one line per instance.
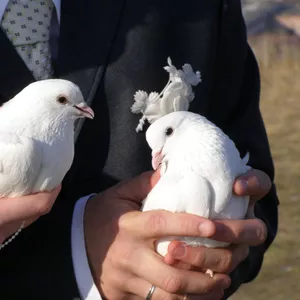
(14, 75)
(87, 32)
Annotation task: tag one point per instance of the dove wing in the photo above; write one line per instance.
(191, 194)
(20, 161)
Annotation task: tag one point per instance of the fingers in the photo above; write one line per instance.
(254, 183)
(252, 232)
(220, 260)
(141, 288)
(27, 207)
(155, 224)
(136, 189)
(150, 267)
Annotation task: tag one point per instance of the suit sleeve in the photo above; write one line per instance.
(38, 263)
(246, 128)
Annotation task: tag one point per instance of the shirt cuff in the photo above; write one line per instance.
(83, 275)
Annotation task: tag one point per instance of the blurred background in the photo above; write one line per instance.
(274, 34)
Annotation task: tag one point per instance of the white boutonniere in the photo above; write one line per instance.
(176, 95)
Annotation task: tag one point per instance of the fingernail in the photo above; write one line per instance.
(179, 252)
(244, 185)
(226, 283)
(206, 229)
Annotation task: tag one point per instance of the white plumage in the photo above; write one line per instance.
(199, 165)
(37, 136)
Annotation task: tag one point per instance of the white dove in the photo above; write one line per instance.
(37, 136)
(199, 164)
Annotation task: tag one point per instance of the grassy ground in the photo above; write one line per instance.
(279, 60)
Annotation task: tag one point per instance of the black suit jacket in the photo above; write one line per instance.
(111, 48)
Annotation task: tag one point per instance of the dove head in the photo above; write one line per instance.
(56, 98)
(163, 135)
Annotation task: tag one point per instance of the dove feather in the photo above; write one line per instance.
(173, 197)
(20, 162)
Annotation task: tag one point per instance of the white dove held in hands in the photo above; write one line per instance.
(199, 165)
(37, 136)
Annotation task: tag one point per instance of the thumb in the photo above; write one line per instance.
(137, 189)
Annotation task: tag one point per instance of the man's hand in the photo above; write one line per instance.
(120, 246)
(254, 183)
(13, 211)
(241, 233)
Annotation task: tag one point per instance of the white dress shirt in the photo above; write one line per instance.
(85, 282)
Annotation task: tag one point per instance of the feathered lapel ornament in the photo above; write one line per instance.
(176, 95)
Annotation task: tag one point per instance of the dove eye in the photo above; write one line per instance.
(169, 131)
(62, 99)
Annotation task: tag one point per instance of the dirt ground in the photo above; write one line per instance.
(279, 60)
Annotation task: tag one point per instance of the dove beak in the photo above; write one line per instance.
(157, 158)
(85, 110)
